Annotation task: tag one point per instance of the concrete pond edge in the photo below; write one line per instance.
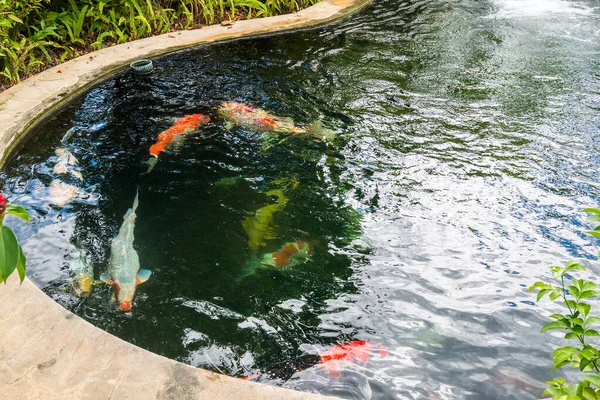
(49, 353)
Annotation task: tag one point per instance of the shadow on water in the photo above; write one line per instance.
(466, 147)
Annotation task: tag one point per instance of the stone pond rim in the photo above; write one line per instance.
(49, 352)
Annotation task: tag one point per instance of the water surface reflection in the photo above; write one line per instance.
(468, 138)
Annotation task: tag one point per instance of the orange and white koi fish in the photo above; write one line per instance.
(166, 137)
(260, 120)
(289, 255)
(124, 273)
(351, 352)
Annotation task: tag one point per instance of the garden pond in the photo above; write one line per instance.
(462, 144)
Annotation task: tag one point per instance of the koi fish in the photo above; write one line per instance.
(61, 193)
(82, 273)
(258, 226)
(291, 254)
(124, 273)
(165, 138)
(260, 120)
(355, 351)
(66, 164)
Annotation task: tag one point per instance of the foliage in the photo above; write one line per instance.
(11, 253)
(35, 34)
(577, 321)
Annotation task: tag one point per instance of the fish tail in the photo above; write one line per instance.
(249, 269)
(68, 135)
(136, 201)
(317, 130)
(131, 212)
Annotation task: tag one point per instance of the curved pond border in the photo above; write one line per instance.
(46, 351)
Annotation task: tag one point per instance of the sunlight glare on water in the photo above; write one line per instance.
(467, 145)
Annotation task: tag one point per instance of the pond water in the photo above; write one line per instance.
(467, 139)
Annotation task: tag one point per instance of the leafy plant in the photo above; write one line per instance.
(11, 253)
(35, 34)
(577, 321)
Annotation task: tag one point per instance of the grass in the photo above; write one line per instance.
(37, 34)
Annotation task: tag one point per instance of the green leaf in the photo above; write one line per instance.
(9, 252)
(17, 211)
(588, 293)
(558, 271)
(588, 394)
(584, 363)
(542, 293)
(594, 233)
(575, 390)
(578, 283)
(538, 285)
(588, 285)
(555, 325)
(555, 392)
(587, 353)
(592, 210)
(561, 364)
(15, 18)
(21, 264)
(572, 264)
(571, 335)
(591, 332)
(573, 290)
(577, 321)
(584, 308)
(593, 379)
(593, 320)
(571, 304)
(556, 293)
(578, 330)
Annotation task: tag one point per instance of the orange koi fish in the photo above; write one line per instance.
(260, 120)
(355, 351)
(166, 137)
(291, 254)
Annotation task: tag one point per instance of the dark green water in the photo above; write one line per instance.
(468, 138)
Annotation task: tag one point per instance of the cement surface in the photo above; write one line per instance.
(46, 351)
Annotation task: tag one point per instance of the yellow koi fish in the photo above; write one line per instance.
(258, 226)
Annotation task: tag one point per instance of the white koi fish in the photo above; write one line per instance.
(124, 273)
(66, 164)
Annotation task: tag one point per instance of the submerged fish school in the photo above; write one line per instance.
(124, 273)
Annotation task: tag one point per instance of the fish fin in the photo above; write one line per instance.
(318, 131)
(143, 275)
(104, 277)
(229, 125)
(77, 175)
(249, 269)
(151, 164)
